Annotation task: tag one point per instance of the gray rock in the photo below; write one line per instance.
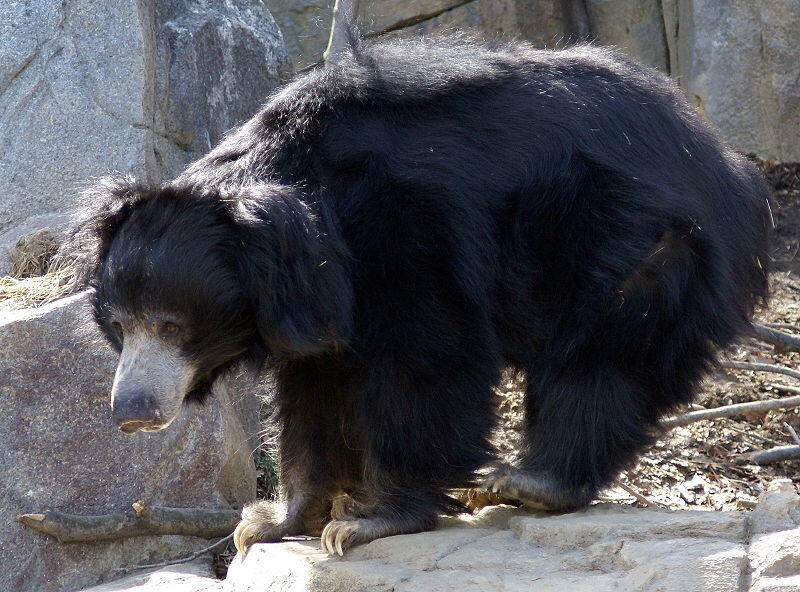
(738, 62)
(91, 86)
(215, 65)
(385, 15)
(61, 451)
(306, 23)
(633, 26)
(775, 548)
(545, 24)
(604, 548)
(548, 23)
(778, 508)
(69, 100)
(195, 576)
(788, 584)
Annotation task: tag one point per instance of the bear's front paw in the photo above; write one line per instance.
(344, 507)
(340, 535)
(258, 525)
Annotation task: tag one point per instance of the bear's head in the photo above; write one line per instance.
(188, 281)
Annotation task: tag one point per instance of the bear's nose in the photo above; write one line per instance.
(135, 411)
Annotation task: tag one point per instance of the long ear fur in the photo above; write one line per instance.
(295, 269)
(106, 205)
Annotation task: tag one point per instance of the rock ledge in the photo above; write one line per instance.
(606, 547)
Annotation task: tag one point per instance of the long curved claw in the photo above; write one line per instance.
(338, 536)
(243, 536)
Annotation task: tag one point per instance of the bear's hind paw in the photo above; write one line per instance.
(536, 491)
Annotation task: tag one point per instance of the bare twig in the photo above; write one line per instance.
(186, 559)
(787, 326)
(141, 520)
(793, 433)
(760, 368)
(773, 455)
(785, 388)
(782, 342)
(731, 410)
(751, 434)
(637, 495)
(345, 13)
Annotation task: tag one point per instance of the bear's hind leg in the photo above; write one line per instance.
(623, 351)
(583, 426)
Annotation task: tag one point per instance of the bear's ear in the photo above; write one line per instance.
(294, 268)
(106, 205)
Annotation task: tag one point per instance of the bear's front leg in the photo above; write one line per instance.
(315, 462)
(303, 508)
(422, 434)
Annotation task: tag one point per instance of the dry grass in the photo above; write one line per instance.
(32, 254)
(37, 290)
(36, 277)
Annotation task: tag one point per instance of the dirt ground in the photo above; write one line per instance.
(693, 466)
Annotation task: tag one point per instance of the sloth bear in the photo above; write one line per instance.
(392, 231)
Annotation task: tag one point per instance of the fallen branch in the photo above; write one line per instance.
(785, 388)
(782, 342)
(140, 520)
(731, 410)
(186, 559)
(773, 455)
(760, 368)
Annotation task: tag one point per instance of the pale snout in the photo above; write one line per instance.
(151, 382)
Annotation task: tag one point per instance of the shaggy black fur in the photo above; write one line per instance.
(394, 230)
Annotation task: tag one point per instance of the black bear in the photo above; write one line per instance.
(392, 231)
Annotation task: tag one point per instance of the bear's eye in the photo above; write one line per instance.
(116, 326)
(168, 329)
